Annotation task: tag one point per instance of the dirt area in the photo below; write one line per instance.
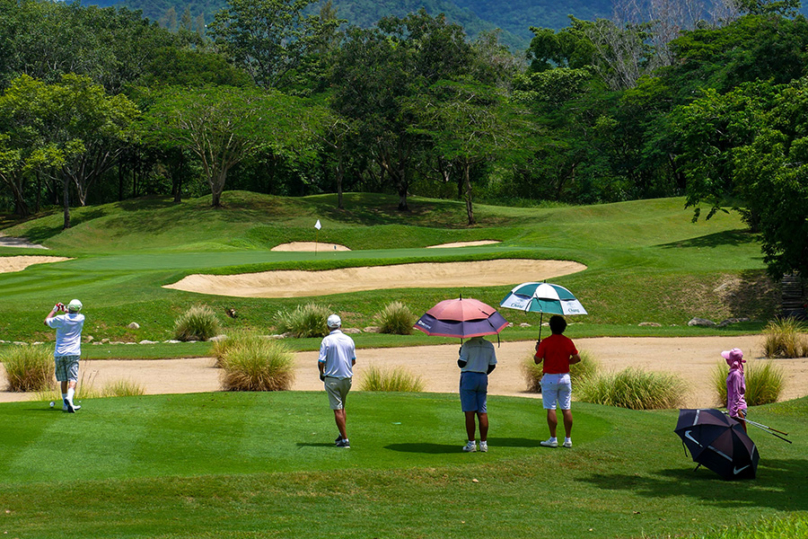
(290, 284)
(12, 241)
(9, 264)
(309, 246)
(691, 358)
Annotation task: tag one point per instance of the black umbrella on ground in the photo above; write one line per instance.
(718, 442)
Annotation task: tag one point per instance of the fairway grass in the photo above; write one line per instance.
(646, 261)
(264, 465)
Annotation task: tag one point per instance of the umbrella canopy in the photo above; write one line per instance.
(462, 318)
(718, 442)
(542, 298)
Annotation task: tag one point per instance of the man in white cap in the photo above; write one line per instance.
(336, 361)
(68, 348)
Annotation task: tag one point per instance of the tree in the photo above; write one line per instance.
(79, 130)
(268, 38)
(378, 70)
(223, 126)
(468, 124)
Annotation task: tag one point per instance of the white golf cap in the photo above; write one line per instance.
(74, 305)
(333, 321)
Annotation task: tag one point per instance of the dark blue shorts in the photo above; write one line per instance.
(473, 392)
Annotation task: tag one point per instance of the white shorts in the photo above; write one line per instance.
(556, 388)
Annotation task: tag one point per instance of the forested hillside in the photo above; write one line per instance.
(99, 104)
(513, 18)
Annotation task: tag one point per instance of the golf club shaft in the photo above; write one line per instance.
(761, 426)
(756, 424)
(767, 429)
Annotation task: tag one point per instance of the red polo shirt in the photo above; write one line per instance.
(556, 351)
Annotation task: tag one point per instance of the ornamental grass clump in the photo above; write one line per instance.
(785, 338)
(306, 321)
(586, 368)
(261, 365)
(396, 319)
(764, 382)
(396, 379)
(29, 368)
(199, 323)
(632, 388)
(234, 339)
(123, 388)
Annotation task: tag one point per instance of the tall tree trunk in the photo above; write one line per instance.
(340, 173)
(467, 182)
(66, 200)
(38, 191)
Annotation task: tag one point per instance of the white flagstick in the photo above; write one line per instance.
(318, 226)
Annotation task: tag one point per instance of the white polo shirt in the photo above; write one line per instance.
(338, 352)
(478, 354)
(68, 333)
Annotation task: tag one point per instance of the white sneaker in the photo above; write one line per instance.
(567, 443)
(484, 447)
(470, 447)
(549, 443)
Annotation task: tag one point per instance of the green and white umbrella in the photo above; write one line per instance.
(542, 298)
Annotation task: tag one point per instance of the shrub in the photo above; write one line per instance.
(785, 338)
(123, 388)
(260, 365)
(29, 368)
(634, 389)
(764, 382)
(396, 379)
(306, 321)
(586, 368)
(199, 323)
(234, 339)
(396, 319)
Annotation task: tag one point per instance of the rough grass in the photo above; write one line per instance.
(785, 338)
(384, 379)
(28, 368)
(199, 323)
(791, 526)
(634, 389)
(764, 382)
(396, 318)
(587, 367)
(258, 365)
(308, 320)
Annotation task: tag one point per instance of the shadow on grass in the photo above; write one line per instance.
(428, 449)
(779, 485)
(312, 444)
(439, 449)
(719, 239)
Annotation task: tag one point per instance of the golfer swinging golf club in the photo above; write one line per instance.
(68, 348)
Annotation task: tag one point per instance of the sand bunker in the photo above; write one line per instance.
(692, 358)
(463, 244)
(10, 264)
(309, 246)
(292, 284)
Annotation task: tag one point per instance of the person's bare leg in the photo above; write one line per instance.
(341, 419)
(567, 414)
(471, 426)
(552, 422)
(483, 427)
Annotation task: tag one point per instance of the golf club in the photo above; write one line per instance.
(763, 428)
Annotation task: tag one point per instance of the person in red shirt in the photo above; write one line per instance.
(558, 353)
